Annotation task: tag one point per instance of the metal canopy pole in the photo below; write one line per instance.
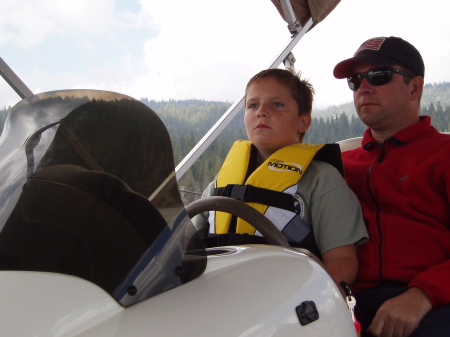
(226, 118)
(13, 80)
(294, 25)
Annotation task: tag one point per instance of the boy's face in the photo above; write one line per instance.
(271, 116)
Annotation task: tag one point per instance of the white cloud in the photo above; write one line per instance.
(199, 48)
(207, 50)
(424, 24)
(27, 22)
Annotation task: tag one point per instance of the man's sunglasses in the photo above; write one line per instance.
(375, 77)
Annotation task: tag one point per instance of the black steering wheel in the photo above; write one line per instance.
(240, 209)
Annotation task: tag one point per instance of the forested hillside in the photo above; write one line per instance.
(432, 93)
(188, 120)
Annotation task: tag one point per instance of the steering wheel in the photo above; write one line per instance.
(240, 209)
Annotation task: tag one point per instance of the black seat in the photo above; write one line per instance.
(93, 224)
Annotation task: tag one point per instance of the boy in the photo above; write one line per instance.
(318, 212)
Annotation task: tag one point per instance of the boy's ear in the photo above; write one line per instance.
(304, 123)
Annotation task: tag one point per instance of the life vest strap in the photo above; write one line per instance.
(249, 193)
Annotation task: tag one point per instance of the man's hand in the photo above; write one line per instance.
(401, 315)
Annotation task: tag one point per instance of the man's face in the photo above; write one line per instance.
(384, 108)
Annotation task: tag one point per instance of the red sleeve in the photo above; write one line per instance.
(435, 282)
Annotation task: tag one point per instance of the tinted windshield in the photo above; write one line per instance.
(87, 188)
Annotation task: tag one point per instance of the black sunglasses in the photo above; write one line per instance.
(375, 77)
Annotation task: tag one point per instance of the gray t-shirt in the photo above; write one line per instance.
(328, 205)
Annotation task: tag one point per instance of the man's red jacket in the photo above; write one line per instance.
(404, 189)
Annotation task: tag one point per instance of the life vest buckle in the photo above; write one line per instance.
(235, 191)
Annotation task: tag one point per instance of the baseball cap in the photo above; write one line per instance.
(383, 51)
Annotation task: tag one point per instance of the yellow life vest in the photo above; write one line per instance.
(280, 172)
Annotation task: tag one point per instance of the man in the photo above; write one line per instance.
(401, 175)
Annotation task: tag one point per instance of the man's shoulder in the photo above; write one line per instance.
(442, 137)
(434, 143)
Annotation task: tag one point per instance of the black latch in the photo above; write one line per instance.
(307, 312)
(235, 191)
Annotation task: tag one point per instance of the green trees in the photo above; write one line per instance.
(333, 128)
(439, 116)
(188, 121)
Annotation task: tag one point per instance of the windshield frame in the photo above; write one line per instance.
(98, 165)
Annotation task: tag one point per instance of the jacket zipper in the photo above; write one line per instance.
(380, 254)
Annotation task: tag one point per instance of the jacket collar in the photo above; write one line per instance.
(422, 128)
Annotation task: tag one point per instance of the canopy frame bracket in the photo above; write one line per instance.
(294, 25)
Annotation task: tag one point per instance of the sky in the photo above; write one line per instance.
(200, 49)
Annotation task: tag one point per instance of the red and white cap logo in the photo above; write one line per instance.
(372, 44)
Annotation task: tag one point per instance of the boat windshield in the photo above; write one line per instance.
(88, 189)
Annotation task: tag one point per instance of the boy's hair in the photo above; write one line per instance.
(300, 89)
